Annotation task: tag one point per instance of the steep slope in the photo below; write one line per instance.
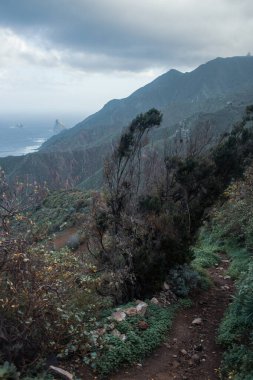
(177, 95)
(217, 91)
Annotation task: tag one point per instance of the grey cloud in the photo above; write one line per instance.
(132, 36)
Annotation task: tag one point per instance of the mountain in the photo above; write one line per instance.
(178, 95)
(217, 90)
(58, 127)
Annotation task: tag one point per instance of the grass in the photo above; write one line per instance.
(206, 252)
(240, 259)
(236, 329)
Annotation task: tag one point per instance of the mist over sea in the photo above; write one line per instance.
(22, 134)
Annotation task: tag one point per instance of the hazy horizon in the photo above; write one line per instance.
(36, 129)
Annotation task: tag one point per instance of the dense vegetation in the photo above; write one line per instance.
(230, 230)
(134, 234)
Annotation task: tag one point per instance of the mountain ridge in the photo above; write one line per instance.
(169, 89)
(73, 156)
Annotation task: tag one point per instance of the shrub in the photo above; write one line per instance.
(236, 330)
(74, 242)
(206, 250)
(183, 279)
(8, 372)
(48, 300)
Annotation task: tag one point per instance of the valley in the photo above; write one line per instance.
(126, 242)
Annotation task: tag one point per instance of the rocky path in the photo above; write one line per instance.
(190, 351)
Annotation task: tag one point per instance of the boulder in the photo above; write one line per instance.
(197, 321)
(154, 301)
(117, 334)
(143, 325)
(101, 331)
(141, 308)
(166, 286)
(119, 316)
(130, 311)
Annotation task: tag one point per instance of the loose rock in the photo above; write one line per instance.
(101, 331)
(142, 325)
(197, 321)
(117, 334)
(141, 308)
(130, 311)
(154, 301)
(119, 316)
(196, 358)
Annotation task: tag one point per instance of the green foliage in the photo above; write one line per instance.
(60, 210)
(8, 371)
(241, 259)
(183, 279)
(205, 251)
(230, 230)
(122, 169)
(238, 363)
(138, 343)
(152, 231)
(238, 323)
(49, 300)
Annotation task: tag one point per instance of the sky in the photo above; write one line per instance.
(72, 56)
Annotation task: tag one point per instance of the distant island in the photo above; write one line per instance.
(58, 127)
(18, 125)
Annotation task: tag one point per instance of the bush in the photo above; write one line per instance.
(183, 279)
(205, 250)
(48, 301)
(236, 331)
(74, 242)
(8, 372)
(238, 323)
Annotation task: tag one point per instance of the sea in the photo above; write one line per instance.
(22, 134)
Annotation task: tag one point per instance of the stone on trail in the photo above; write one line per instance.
(196, 358)
(166, 286)
(197, 321)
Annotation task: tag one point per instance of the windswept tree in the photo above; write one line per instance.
(123, 169)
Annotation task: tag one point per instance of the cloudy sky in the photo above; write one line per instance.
(75, 55)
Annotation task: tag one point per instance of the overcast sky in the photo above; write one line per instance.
(74, 55)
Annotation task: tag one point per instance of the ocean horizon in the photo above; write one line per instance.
(23, 134)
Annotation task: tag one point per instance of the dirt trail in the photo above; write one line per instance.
(190, 351)
(61, 239)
